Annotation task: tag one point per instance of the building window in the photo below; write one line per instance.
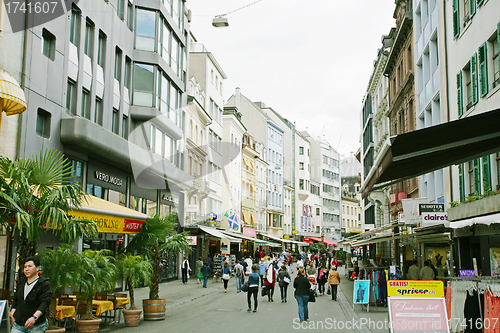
(118, 64)
(43, 120)
(495, 60)
(101, 49)
(115, 121)
(98, 115)
(145, 30)
(125, 127)
(301, 184)
(49, 44)
(74, 30)
(143, 85)
(85, 112)
(71, 98)
(130, 15)
(89, 38)
(301, 150)
(120, 9)
(128, 73)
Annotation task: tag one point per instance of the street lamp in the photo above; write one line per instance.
(220, 21)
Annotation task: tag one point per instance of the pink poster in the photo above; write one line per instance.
(249, 232)
(412, 315)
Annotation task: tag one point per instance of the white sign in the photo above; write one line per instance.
(401, 218)
(191, 208)
(192, 240)
(410, 209)
(433, 218)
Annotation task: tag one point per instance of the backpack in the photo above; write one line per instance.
(238, 270)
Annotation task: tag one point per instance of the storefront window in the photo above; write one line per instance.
(142, 205)
(76, 170)
(495, 261)
(438, 257)
(107, 194)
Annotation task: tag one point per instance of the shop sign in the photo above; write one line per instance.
(169, 198)
(430, 208)
(411, 209)
(191, 208)
(109, 223)
(434, 218)
(467, 273)
(192, 240)
(107, 178)
(415, 288)
(249, 232)
(417, 315)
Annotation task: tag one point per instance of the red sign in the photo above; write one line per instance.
(408, 314)
(132, 225)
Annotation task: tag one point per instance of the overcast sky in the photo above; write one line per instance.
(309, 60)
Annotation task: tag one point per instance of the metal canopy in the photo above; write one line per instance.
(412, 154)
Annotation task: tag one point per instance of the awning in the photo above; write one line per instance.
(109, 217)
(317, 239)
(232, 234)
(375, 240)
(246, 219)
(486, 220)
(216, 233)
(415, 153)
(12, 99)
(275, 238)
(371, 232)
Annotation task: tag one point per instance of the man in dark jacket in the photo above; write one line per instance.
(31, 300)
(205, 270)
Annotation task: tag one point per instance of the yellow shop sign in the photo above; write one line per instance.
(415, 288)
(110, 223)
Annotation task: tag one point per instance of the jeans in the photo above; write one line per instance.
(205, 279)
(252, 291)
(239, 283)
(38, 328)
(322, 287)
(302, 301)
(283, 291)
(334, 291)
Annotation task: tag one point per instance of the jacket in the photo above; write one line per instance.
(253, 279)
(206, 270)
(302, 286)
(413, 272)
(38, 299)
(273, 272)
(426, 273)
(281, 276)
(334, 278)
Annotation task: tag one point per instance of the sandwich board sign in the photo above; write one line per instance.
(417, 306)
(361, 294)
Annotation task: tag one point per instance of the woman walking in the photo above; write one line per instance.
(226, 274)
(302, 286)
(283, 281)
(270, 281)
(322, 277)
(253, 288)
(334, 281)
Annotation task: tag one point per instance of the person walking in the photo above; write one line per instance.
(270, 281)
(311, 270)
(205, 270)
(31, 300)
(426, 273)
(262, 270)
(185, 270)
(253, 288)
(199, 264)
(322, 278)
(225, 274)
(302, 286)
(334, 281)
(239, 275)
(283, 281)
(414, 271)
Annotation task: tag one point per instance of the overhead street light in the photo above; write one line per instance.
(220, 21)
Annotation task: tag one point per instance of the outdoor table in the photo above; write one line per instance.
(65, 311)
(102, 306)
(122, 301)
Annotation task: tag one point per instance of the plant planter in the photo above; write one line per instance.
(88, 326)
(154, 309)
(488, 205)
(131, 317)
(56, 330)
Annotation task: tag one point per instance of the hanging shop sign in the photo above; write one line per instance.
(109, 223)
(192, 240)
(191, 208)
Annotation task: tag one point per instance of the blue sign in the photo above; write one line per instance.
(212, 216)
(467, 273)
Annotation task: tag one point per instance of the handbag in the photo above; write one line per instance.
(264, 291)
(225, 276)
(312, 296)
(245, 287)
(200, 277)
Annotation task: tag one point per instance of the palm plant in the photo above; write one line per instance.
(97, 274)
(35, 195)
(60, 266)
(158, 236)
(134, 270)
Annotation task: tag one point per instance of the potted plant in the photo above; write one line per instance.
(157, 237)
(35, 196)
(59, 266)
(96, 274)
(134, 270)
